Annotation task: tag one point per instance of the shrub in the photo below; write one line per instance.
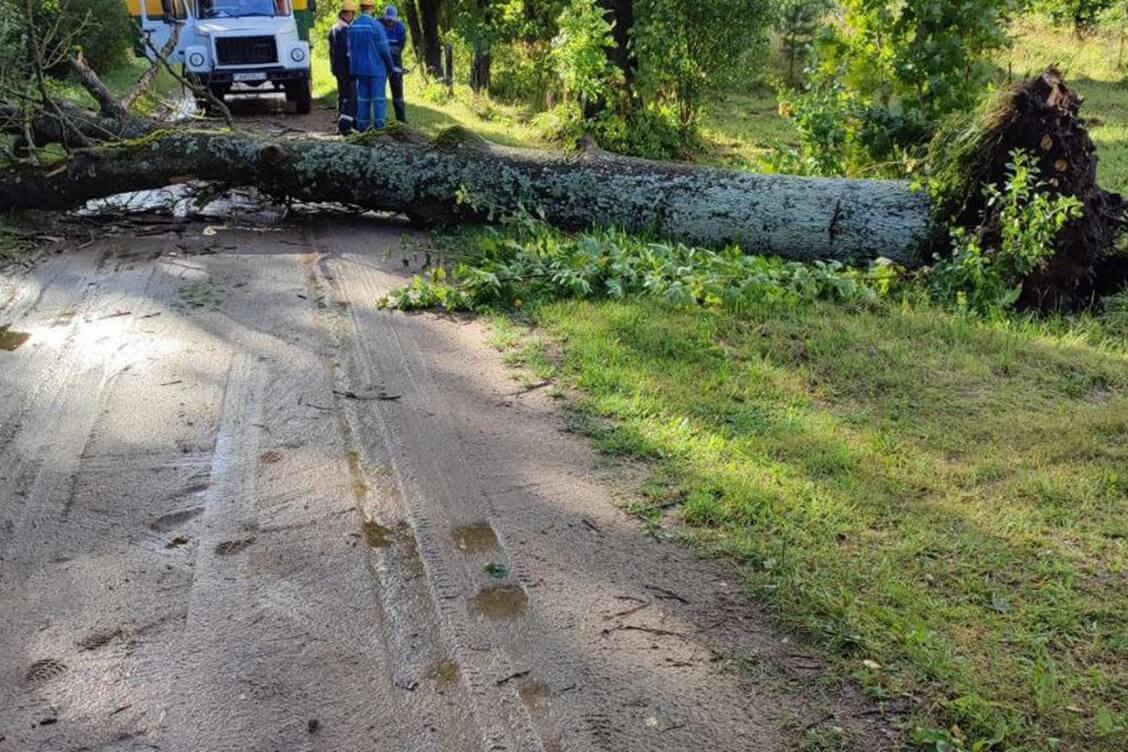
(106, 31)
(526, 262)
(988, 280)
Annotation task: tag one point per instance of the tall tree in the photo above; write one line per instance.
(417, 43)
(429, 11)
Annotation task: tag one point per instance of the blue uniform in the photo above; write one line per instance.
(397, 40)
(346, 87)
(370, 62)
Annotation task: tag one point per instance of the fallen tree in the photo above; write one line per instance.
(461, 178)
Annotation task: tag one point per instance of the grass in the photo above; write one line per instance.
(1096, 66)
(942, 503)
(431, 109)
(119, 81)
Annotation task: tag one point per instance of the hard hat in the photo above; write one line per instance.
(348, 6)
(367, 3)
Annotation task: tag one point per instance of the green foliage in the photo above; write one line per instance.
(987, 281)
(106, 32)
(1082, 15)
(579, 53)
(798, 23)
(528, 263)
(884, 78)
(686, 49)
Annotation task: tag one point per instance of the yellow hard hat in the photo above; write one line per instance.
(348, 5)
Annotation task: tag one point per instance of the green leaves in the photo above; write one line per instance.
(988, 280)
(526, 262)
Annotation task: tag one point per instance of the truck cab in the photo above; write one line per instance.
(235, 46)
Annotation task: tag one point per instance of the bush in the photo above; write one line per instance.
(985, 280)
(890, 74)
(107, 32)
(526, 262)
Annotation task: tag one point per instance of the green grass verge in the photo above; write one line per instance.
(942, 503)
(431, 109)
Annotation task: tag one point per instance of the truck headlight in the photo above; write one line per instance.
(298, 55)
(196, 59)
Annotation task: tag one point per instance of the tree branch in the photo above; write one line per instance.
(160, 61)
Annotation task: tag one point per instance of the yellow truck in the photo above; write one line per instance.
(234, 47)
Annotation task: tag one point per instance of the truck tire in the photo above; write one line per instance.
(303, 97)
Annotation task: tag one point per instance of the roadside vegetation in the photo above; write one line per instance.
(922, 479)
(938, 498)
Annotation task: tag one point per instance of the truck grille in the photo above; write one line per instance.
(246, 50)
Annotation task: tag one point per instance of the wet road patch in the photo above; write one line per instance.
(478, 538)
(227, 548)
(10, 340)
(376, 535)
(500, 602)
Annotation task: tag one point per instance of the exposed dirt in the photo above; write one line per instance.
(288, 520)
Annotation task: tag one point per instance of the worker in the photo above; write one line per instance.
(397, 40)
(370, 62)
(339, 65)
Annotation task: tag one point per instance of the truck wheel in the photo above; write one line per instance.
(303, 100)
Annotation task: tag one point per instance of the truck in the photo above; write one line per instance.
(233, 46)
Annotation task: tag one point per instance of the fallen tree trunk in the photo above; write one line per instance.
(461, 178)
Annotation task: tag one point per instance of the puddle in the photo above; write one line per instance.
(478, 538)
(10, 340)
(445, 673)
(227, 548)
(533, 693)
(500, 602)
(376, 535)
(359, 486)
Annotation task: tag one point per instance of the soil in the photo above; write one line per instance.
(1042, 117)
(290, 520)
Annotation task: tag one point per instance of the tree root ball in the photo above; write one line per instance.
(1041, 116)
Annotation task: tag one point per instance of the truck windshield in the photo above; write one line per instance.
(241, 8)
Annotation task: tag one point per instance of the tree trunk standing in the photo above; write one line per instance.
(621, 14)
(448, 66)
(480, 64)
(461, 178)
(432, 47)
(480, 72)
(413, 25)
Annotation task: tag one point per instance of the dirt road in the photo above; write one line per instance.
(242, 509)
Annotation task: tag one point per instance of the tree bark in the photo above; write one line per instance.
(460, 178)
(432, 46)
(416, 31)
(621, 14)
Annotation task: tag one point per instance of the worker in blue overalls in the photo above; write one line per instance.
(370, 62)
(339, 65)
(397, 40)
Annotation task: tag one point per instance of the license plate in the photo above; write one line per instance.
(250, 76)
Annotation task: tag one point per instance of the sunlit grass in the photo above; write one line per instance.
(943, 498)
(431, 110)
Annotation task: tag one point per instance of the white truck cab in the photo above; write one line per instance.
(235, 46)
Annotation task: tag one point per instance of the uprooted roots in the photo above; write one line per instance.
(1040, 116)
